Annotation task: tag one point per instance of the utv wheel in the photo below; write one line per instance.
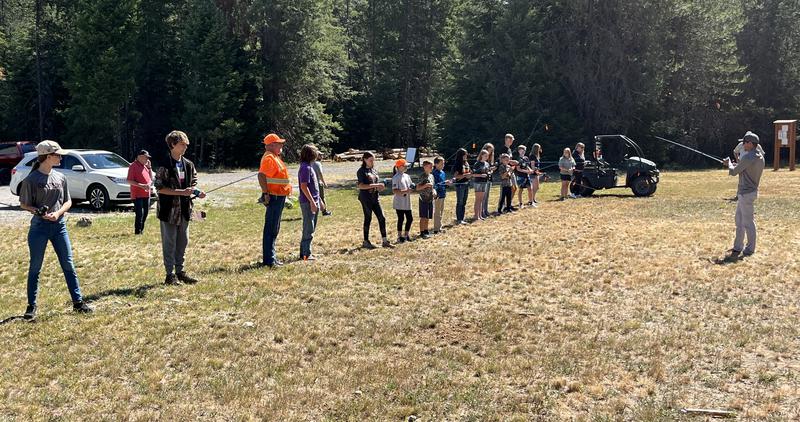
(98, 198)
(643, 186)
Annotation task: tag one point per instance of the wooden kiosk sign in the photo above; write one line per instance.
(785, 137)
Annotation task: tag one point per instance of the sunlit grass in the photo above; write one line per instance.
(607, 308)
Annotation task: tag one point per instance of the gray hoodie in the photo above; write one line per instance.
(749, 169)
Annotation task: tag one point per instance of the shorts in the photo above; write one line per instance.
(481, 186)
(426, 209)
(566, 178)
(523, 182)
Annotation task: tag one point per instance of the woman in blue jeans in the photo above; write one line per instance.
(44, 193)
(310, 201)
(462, 175)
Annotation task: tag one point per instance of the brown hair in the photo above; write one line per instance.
(39, 160)
(175, 137)
(308, 153)
(426, 163)
(367, 155)
(438, 159)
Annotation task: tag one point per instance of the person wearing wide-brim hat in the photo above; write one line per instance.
(749, 169)
(273, 177)
(45, 194)
(140, 178)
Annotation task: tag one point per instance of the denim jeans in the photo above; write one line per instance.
(309, 226)
(462, 194)
(272, 225)
(41, 232)
(141, 207)
(174, 240)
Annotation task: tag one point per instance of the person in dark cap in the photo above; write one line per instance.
(140, 177)
(749, 169)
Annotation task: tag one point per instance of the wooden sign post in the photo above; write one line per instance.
(785, 137)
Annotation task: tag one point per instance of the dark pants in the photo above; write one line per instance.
(577, 179)
(404, 215)
(505, 198)
(40, 233)
(485, 210)
(370, 207)
(272, 225)
(141, 206)
(462, 194)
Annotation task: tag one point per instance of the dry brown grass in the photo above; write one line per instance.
(600, 309)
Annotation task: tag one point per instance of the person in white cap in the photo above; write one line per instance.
(44, 193)
(749, 169)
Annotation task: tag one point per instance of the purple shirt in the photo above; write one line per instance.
(307, 175)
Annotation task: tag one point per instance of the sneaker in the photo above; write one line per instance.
(30, 313)
(368, 245)
(748, 252)
(183, 277)
(425, 236)
(463, 223)
(578, 196)
(172, 280)
(533, 205)
(81, 308)
(408, 238)
(515, 209)
(572, 196)
(401, 239)
(326, 213)
(310, 258)
(387, 244)
(275, 264)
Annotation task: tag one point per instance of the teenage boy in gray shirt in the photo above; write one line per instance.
(749, 169)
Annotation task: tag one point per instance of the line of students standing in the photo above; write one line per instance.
(514, 172)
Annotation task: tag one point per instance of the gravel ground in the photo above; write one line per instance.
(335, 174)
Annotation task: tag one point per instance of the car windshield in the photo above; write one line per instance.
(28, 148)
(104, 161)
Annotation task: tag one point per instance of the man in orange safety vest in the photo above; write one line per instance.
(273, 176)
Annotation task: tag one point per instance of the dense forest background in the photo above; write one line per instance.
(120, 74)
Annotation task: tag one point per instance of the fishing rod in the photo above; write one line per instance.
(227, 184)
(719, 160)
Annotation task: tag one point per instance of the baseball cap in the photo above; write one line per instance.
(750, 137)
(400, 163)
(273, 139)
(49, 147)
(144, 152)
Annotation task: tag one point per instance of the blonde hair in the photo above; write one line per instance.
(536, 150)
(489, 147)
(568, 151)
(482, 153)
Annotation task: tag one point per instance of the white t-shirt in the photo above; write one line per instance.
(402, 201)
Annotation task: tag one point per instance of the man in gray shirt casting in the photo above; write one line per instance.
(749, 169)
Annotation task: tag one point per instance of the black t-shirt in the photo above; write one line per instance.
(536, 163)
(524, 163)
(367, 176)
(481, 167)
(579, 160)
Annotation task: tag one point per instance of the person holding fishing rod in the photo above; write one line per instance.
(44, 194)
(749, 169)
(176, 186)
(273, 177)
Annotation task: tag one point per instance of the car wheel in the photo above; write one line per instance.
(98, 198)
(643, 186)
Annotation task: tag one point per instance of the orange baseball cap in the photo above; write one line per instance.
(273, 139)
(400, 163)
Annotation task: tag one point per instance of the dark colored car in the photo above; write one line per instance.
(11, 153)
(615, 157)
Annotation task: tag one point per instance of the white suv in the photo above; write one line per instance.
(99, 177)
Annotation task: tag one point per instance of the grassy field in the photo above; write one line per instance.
(609, 308)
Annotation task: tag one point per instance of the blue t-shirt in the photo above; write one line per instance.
(306, 174)
(439, 179)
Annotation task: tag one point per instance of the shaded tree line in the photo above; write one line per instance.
(119, 74)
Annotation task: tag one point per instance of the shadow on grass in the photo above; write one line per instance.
(240, 269)
(139, 291)
(11, 319)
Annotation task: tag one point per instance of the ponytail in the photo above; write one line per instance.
(39, 160)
